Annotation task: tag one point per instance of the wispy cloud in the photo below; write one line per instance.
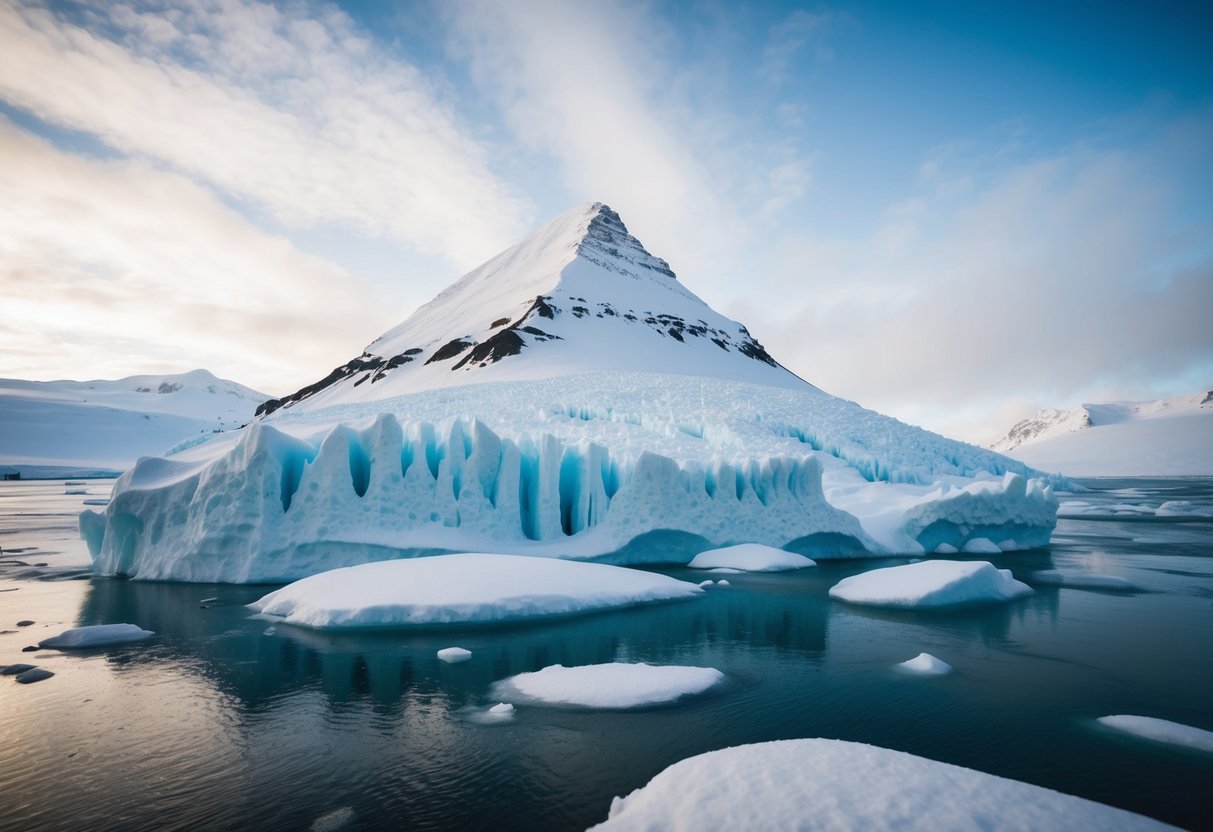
(292, 110)
(105, 265)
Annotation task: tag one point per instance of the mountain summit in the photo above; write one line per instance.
(579, 294)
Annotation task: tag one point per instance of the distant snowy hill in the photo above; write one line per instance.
(1166, 437)
(568, 398)
(108, 424)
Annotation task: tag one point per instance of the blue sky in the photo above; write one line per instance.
(951, 212)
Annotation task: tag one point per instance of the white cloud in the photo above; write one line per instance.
(1047, 281)
(301, 116)
(110, 268)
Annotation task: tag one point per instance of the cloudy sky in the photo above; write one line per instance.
(954, 213)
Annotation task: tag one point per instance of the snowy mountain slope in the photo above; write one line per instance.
(648, 434)
(1166, 437)
(111, 423)
(579, 294)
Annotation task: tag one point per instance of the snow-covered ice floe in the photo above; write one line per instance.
(96, 635)
(463, 589)
(617, 685)
(454, 655)
(1082, 580)
(924, 664)
(931, 583)
(750, 557)
(1161, 730)
(838, 785)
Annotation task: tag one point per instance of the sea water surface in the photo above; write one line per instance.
(227, 721)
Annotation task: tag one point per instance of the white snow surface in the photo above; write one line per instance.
(1161, 730)
(837, 785)
(924, 664)
(750, 557)
(454, 655)
(629, 440)
(931, 583)
(96, 635)
(461, 589)
(616, 685)
(108, 424)
(1169, 437)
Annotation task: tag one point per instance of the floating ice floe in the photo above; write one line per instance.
(931, 583)
(1161, 730)
(837, 785)
(750, 557)
(499, 714)
(334, 821)
(1181, 508)
(97, 635)
(454, 655)
(463, 588)
(1082, 580)
(616, 685)
(924, 664)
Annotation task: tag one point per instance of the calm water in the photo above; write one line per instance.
(217, 723)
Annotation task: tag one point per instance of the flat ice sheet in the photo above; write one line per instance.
(97, 635)
(750, 557)
(837, 785)
(1161, 730)
(463, 588)
(931, 583)
(616, 685)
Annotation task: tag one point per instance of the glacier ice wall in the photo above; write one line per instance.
(608, 470)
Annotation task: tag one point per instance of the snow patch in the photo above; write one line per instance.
(461, 589)
(832, 784)
(617, 685)
(930, 584)
(750, 557)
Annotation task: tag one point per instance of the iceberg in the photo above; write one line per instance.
(833, 784)
(615, 686)
(469, 588)
(569, 398)
(750, 557)
(1161, 730)
(97, 635)
(931, 584)
(924, 664)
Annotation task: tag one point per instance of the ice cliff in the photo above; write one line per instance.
(570, 398)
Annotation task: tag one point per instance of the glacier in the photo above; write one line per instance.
(570, 398)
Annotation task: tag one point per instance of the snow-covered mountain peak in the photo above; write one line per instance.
(580, 294)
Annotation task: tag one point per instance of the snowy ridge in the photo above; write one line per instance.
(1166, 437)
(581, 467)
(580, 294)
(110, 423)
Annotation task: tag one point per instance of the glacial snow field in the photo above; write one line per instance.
(570, 397)
(226, 720)
(1169, 437)
(57, 427)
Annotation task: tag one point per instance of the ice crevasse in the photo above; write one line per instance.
(624, 468)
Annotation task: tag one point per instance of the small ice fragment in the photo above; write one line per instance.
(611, 685)
(726, 570)
(1161, 730)
(270, 630)
(723, 582)
(981, 546)
(454, 655)
(36, 674)
(96, 635)
(208, 602)
(502, 708)
(946, 549)
(750, 557)
(924, 664)
(707, 583)
(334, 821)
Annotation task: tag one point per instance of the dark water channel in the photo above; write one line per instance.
(225, 722)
